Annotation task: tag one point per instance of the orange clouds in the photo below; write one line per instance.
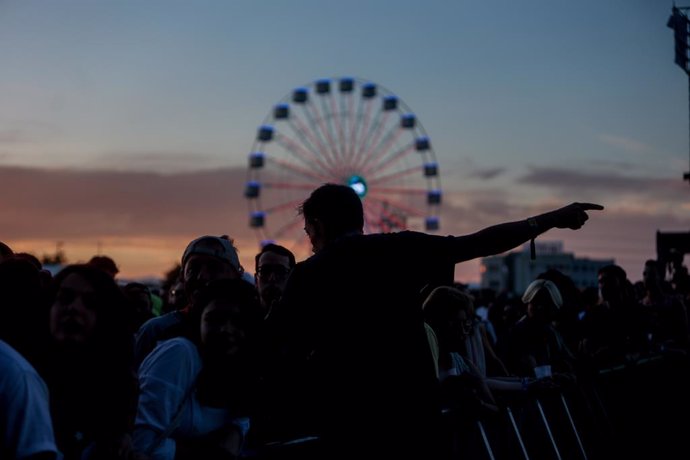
(144, 220)
(99, 204)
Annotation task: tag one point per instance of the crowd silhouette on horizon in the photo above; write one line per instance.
(357, 352)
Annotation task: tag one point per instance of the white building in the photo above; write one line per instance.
(515, 270)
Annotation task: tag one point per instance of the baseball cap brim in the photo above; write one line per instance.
(537, 285)
(213, 246)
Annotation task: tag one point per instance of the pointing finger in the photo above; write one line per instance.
(590, 206)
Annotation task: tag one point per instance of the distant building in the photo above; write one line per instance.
(514, 271)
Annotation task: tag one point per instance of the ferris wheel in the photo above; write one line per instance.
(348, 131)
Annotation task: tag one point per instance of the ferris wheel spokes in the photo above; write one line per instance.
(301, 154)
(345, 131)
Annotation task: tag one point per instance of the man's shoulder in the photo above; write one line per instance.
(161, 322)
(176, 345)
(406, 237)
(370, 241)
(170, 357)
(12, 362)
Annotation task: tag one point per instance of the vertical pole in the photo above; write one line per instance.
(686, 176)
(572, 424)
(679, 23)
(548, 430)
(487, 444)
(517, 432)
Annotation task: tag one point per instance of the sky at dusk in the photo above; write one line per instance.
(125, 126)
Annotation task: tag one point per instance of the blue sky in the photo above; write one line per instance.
(529, 105)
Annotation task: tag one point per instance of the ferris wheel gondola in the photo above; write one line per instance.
(348, 131)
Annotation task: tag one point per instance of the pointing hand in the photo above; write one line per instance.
(573, 216)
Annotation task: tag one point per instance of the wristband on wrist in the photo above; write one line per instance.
(534, 226)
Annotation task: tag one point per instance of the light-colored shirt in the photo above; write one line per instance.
(458, 367)
(433, 345)
(166, 381)
(24, 408)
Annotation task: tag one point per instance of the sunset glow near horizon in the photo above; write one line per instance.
(125, 126)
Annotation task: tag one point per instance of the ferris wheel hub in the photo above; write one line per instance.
(358, 184)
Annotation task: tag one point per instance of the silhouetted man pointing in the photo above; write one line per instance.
(351, 330)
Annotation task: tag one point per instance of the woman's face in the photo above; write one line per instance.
(222, 331)
(453, 330)
(73, 313)
(464, 323)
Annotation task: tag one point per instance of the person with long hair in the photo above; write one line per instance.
(89, 367)
(196, 389)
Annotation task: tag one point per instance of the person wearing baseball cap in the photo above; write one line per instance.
(542, 293)
(208, 258)
(205, 259)
(536, 347)
(220, 247)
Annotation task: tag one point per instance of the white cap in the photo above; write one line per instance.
(220, 247)
(537, 285)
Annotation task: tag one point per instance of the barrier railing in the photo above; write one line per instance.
(636, 409)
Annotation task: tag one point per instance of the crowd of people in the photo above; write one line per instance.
(366, 349)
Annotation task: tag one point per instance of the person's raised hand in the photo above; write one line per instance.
(574, 215)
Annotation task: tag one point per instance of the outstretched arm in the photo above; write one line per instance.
(503, 237)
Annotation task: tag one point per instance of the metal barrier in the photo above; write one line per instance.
(639, 409)
(636, 409)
